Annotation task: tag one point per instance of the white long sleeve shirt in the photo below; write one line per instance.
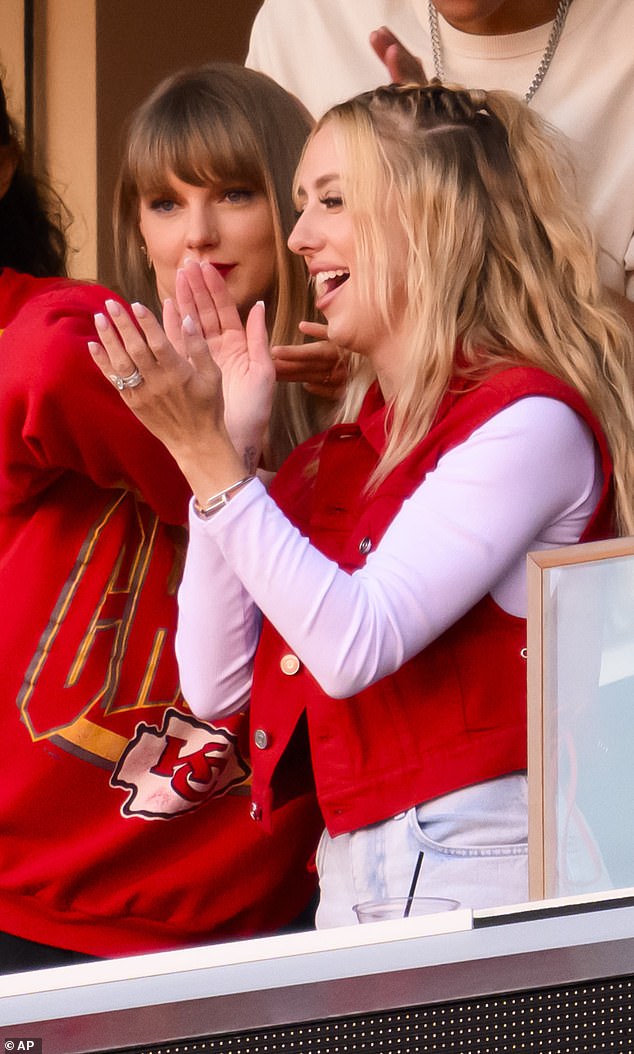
(528, 479)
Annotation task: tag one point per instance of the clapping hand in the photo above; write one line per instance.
(241, 352)
(201, 293)
(401, 65)
(320, 365)
(174, 395)
(203, 397)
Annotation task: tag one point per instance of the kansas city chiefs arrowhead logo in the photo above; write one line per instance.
(178, 767)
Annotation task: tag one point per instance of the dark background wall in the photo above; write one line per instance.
(75, 69)
(138, 43)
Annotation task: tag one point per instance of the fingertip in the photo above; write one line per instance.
(101, 322)
(114, 308)
(258, 311)
(94, 348)
(139, 310)
(171, 311)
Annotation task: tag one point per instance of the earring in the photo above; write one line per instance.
(148, 258)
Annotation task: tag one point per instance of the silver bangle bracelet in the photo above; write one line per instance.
(217, 501)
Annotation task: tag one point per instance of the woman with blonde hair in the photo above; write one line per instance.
(490, 413)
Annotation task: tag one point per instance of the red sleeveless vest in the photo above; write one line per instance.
(453, 715)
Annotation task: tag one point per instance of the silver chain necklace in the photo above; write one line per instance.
(547, 57)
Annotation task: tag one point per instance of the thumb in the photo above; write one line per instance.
(257, 337)
(172, 322)
(402, 66)
(314, 329)
(195, 348)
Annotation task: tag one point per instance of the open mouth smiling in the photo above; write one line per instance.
(327, 281)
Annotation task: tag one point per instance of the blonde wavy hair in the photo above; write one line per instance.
(221, 122)
(498, 261)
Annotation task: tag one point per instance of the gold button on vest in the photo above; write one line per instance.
(289, 664)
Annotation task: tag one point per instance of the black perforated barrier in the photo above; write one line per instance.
(593, 1017)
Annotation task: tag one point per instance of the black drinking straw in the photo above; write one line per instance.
(412, 888)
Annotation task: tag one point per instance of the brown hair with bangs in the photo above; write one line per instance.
(216, 123)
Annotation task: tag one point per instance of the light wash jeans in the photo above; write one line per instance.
(475, 846)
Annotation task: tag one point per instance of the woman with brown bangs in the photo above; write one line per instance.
(209, 161)
(125, 818)
(377, 618)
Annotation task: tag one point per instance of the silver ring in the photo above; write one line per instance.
(133, 381)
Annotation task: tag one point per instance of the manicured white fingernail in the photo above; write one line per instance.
(114, 308)
(93, 347)
(101, 322)
(189, 325)
(139, 310)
